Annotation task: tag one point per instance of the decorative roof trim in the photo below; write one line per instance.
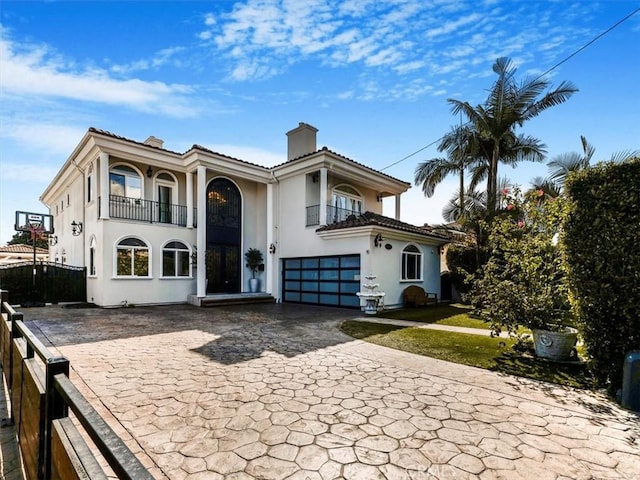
(374, 219)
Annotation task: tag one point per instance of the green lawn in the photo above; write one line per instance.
(455, 315)
(475, 350)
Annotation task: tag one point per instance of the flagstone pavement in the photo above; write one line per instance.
(278, 392)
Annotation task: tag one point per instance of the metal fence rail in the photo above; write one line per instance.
(20, 351)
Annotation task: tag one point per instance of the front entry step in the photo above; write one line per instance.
(225, 299)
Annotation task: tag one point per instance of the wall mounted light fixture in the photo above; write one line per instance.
(149, 172)
(377, 241)
(53, 240)
(76, 228)
(272, 249)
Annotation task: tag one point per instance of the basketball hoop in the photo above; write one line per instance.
(37, 231)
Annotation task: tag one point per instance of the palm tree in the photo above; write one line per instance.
(461, 154)
(508, 106)
(471, 213)
(562, 165)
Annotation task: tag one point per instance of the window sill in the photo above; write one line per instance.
(131, 278)
(412, 281)
(177, 278)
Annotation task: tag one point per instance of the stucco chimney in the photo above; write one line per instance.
(301, 140)
(154, 142)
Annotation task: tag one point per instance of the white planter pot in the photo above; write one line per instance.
(556, 346)
(254, 285)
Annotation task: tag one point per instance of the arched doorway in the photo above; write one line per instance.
(224, 236)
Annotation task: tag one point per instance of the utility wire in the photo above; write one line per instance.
(589, 43)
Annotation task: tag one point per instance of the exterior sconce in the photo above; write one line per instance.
(53, 240)
(272, 249)
(377, 241)
(149, 172)
(76, 228)
(379, 197)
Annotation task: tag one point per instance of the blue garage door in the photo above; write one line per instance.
(331, 281)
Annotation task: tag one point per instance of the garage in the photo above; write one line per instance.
(328, 280)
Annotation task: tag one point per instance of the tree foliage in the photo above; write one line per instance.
(523, 284)
(509, 104)
(602, 251)
(24, 238)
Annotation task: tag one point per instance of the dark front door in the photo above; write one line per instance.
(224, 232)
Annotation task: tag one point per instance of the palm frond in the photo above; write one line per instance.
(624, 156)
(430, 173)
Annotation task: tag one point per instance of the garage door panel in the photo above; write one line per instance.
(331, 281)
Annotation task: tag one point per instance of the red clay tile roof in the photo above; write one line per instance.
(208, 150)
(119, 137)
(205, 149)
(326, 150)
(374, 219)
(23, 248)
(194, 147)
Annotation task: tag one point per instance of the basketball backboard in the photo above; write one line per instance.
(29, 221)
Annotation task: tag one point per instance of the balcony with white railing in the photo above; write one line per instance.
(148, 211)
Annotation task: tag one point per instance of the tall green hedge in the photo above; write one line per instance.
(602, 255)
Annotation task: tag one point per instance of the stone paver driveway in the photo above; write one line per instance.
(277, 392)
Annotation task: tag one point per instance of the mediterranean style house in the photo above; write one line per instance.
(154, 226)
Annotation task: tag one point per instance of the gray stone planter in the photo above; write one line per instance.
(254, 285)
(556, 346)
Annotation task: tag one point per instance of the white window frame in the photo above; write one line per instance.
(408, 254)
(127, 175)
(353, 203)
(133, 248)
(92, 257)
(176, 251)
(173, 185)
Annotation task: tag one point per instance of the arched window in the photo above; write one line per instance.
(175, 260)
(411, 263)
(345, 201)
(132, 258)
(92, 257)
(124, 181)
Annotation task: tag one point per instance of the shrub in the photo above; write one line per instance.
(464, 261)
(523, 284)
(602, 254)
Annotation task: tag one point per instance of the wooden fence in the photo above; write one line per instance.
(41, 396)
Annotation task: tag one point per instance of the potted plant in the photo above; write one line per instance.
(254, 260)
(523, 282)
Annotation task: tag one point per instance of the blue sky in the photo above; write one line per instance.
(372, 75)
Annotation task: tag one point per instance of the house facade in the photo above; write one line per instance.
(154, 226)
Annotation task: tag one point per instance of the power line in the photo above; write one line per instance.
(589, 43)
(411, 154)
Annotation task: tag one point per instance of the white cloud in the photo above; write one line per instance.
(452, 26)
(209, 19)
(53, 139)
(35, 71)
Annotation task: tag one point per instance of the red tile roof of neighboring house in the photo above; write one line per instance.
(23, 248)
(374, 219)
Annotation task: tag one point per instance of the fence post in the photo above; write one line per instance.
(55, 407)
(4, 297)
(15, 333)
